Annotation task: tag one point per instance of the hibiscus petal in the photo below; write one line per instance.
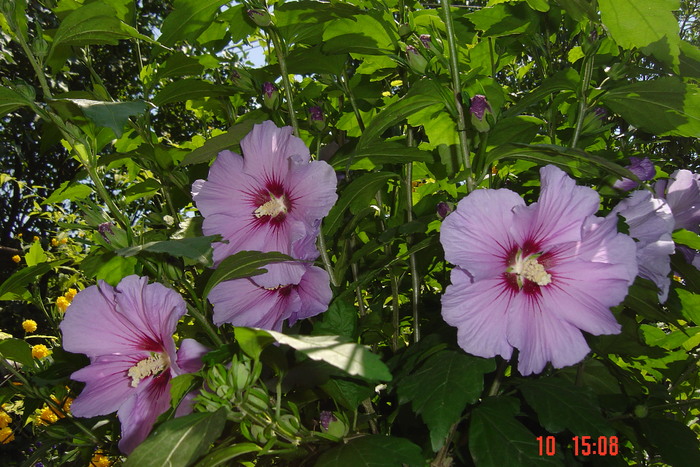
(107, 385)
(189, 357)
(267, 149)
(139, 413)
(314, 293)
(479, 310)
(312, 189)
(476, 235)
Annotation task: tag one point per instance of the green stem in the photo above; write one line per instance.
(587, 73)
(280, 52)
(208, 328)
(496, 385)
(395, 310)
(457, 91)
(346, 88)
(322, 248)
(415, 280)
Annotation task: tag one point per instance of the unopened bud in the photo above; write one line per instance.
(40, 47)
(270, 95)
(405, 30)
(443, 208)
(430, 45)
(317, 119)
(416, 61)
(479, 108)
(260, 16)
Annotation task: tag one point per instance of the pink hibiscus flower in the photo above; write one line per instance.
(127, 332)
(269, 200)
(533, 277)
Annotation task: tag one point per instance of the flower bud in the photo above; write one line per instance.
(270, 95)
(40, 47)
(416, 61)
(644, 170)
(430, 45)
(479, 108)
(443, 208)
(405, 30)
(103, 229)
(260, 16)
(317, 119)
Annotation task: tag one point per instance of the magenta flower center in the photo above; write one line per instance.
(151, 366)
(528, 267)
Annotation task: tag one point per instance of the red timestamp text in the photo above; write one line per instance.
(583, 445)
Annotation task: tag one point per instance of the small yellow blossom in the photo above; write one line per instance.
(6, 435)
(396, 82)
(386, 94)
(62, 303)
(54, 242)
(63, 241)
(40, 351)
(19, 235)
(29, 325)
(36, 239)
(16, 258)
(70, 294)
(100, 460)
(5, 419)
(46, 417)
(65, 405)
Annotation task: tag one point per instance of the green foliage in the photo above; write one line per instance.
(373, 451)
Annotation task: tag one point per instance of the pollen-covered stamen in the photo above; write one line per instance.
(151, 366)
(529, 268)
(274, 207)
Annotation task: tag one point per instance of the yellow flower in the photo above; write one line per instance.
(36, 239)
(70, 294)
(54, 242)
(16, 258)
(19, 235)
(396, 82)
(46, 417)
(5, 419)
(386, 94)
(40, 351)
(100, 460)
(6, 435)
(62, 303)
(65, 405)
(63, 241)
(29, 325)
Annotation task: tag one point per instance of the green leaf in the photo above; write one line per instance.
(373, 451)
(639, 24)
(178, 65)
(382, 152)
(354, 359)
(561, 405)
(579, 9)
(340, 319)
(17, 350)
(190, 88)
(690, 305)
(564, 80)
(68, 191)
(677, 444)
(179, 442)
(441, 389)
(112, 115)
(690, 60)
(665, 106)
(14, 287)
(35, 255)
(497, 438)
(355, 196)
(223, 455)
(503, 20)
(252, 341)
(368, 33)
(180, 386)
(688, 238)
(188, 20)
(349, 394)
(196, 248)
(539, 5)
(115, 269)
(230, 140)
(243, 264)
(94, 23)
(10, 100)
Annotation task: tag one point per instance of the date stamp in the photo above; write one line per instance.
(582, 445)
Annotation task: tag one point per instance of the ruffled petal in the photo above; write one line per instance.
(480, 311)
(140, 412)
(683, 195)
(267, 149)
(476, 236)
(107, 387)
(189, 357)
(314, 293)
(312, 188)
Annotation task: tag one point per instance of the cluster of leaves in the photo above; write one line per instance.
(583, 84)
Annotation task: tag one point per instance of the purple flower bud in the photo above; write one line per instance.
(443, 209)
(270, 95)
(260, 16)
(601, 113)
(103, 229)
(425, 39)
(416, 61)
(478, 107)
(325, 418)
(269, 88)
(316, 113)
(644, 170)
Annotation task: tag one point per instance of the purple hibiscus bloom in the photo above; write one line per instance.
(682, 193)
(644, 170)
(533, 277)
(270, 200)
(127, 332)
(650, 222)
(265, 301)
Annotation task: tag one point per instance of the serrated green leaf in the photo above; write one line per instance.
(340, 319)
(564, 80)
(349, 394)
(355, 196)
(688, 238)
(690, 305)
(14, 286)
(180, 386)
(367, 33)
(11, 100)
(188, 19)
(442, 387)
(665, 106)
(195, 248)
(223, 455)
(112, 115)
(35, 255)
(352, 358)
(561, 405)
(373, 451)
(115, 269)
(497, 438)
(190, 88)
(178, 65)
(243, 264)
(230, 140)
(677, 444)
(179, 442)
(68, 191)
(383, 152)
(17, 350)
